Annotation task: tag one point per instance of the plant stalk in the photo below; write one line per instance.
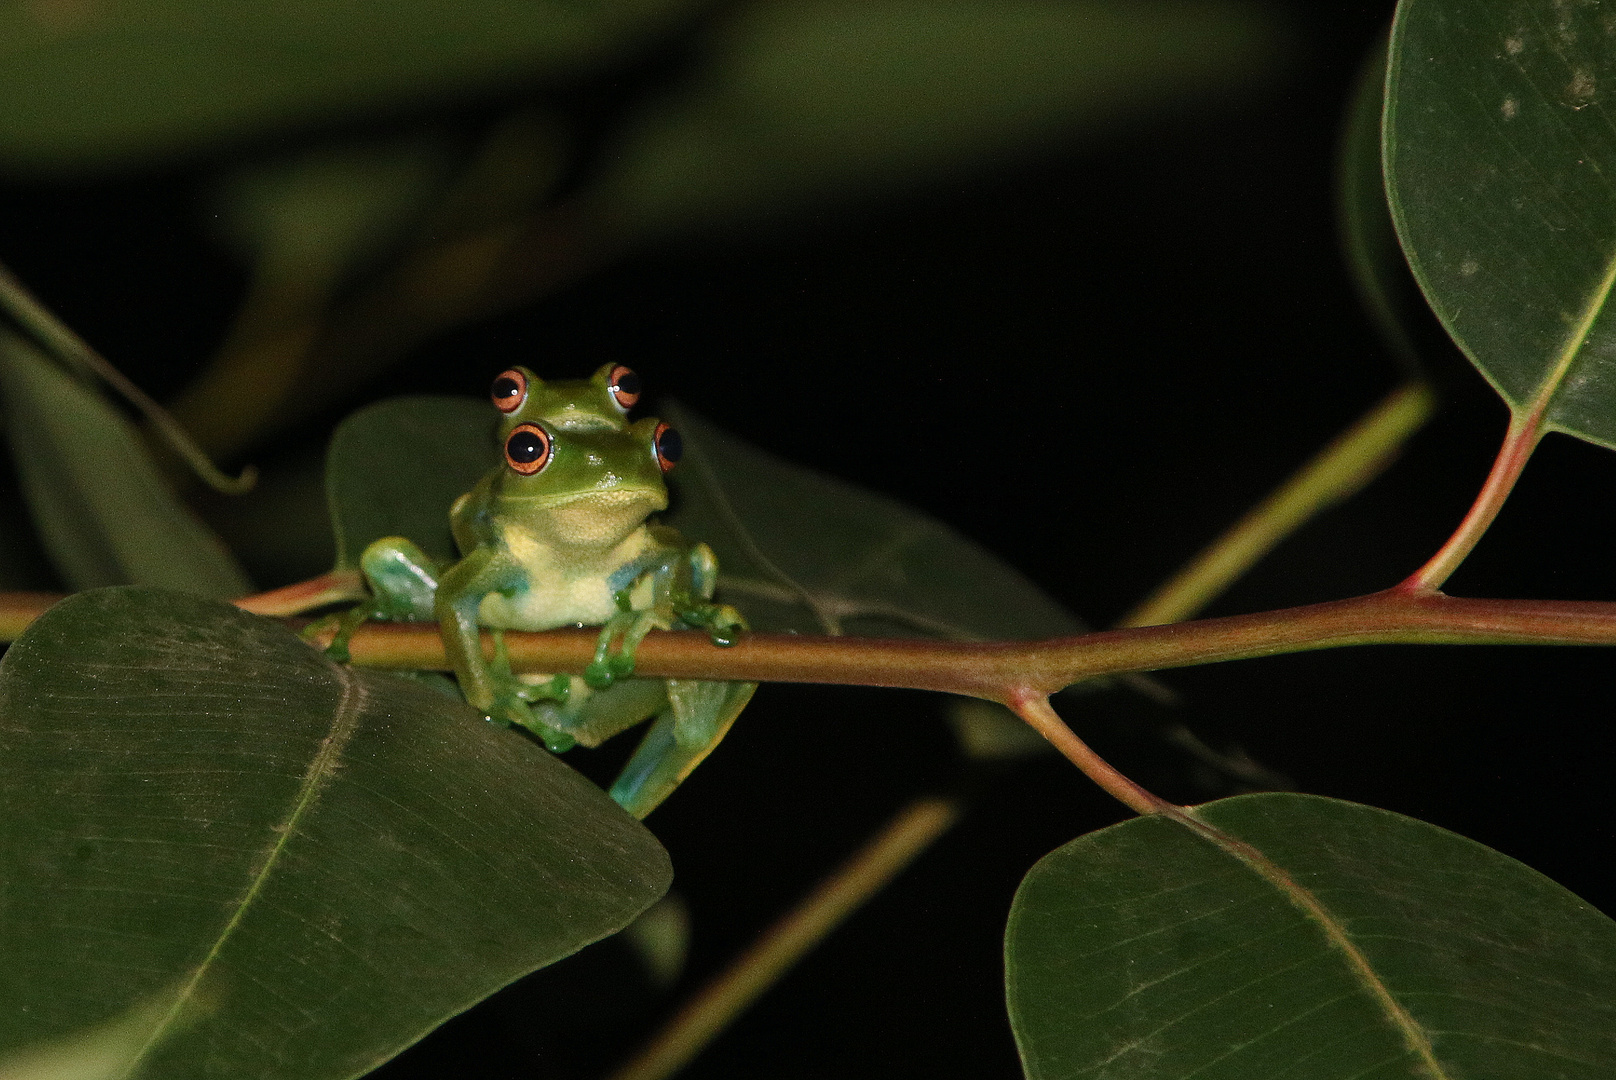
(999, 671)
(1525, 432)
(1036, 710)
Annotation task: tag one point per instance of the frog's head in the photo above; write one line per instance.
(577, 470)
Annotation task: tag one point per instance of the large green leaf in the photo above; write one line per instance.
(1500, 142)
(104, 512)
(97, 84)
(1146, 951)
(395, 467)
(323, 864)
(819, 97)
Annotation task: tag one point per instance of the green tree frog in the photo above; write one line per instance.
(560, 533)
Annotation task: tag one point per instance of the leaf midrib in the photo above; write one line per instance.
(1414, 1036)
(344, 722)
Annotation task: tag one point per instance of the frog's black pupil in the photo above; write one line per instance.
(525, 447)
(670, 445)
(505, 388)
(628, 383)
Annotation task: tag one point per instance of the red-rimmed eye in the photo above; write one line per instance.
(625, 387)
(527, 450)
(509, 391)
(668, 445)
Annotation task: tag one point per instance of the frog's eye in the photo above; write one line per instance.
(527, 450)
(509, 391)
(624, 386)
(668, 445)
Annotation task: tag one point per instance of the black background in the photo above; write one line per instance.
(1091, 362)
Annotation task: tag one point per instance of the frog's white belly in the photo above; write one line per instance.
(560, 592)
(549, 602)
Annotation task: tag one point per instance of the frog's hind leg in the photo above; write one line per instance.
(699, 714)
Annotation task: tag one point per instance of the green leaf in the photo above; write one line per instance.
(815, 97)
(394, 468)
(327, 863)
(801, 551)
(93, 85)
(103, 510)
(1500, 141)
(1145, 950)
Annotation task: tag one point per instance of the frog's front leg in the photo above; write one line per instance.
(698, 715)
(676, 593)
(401, 581)
(626, 629)
(491, 689)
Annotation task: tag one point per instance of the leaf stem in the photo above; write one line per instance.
(1352, 459)
(1036, 710)
(1525, 432)
(865, 873)
(316, 592)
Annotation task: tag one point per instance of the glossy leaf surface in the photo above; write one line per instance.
(1144, 950)
(1500, 141)
(817, 97)
(324, 864)
(93, 85)
(799, 550)
(105, 514)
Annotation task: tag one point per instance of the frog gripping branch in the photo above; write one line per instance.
(559, 534)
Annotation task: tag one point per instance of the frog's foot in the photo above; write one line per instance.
(512, 710)
(512, 695)
(627, 629)
(723, 622)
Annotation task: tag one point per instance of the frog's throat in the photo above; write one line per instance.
(593, 522)
(608, 496)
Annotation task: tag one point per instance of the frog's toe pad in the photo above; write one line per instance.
(600, 674)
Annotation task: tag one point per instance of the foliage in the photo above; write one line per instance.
(222, 854)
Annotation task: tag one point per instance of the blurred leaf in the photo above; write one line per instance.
(800, 551)
(990, 732)
(332, 862)
(318, 214)
(1500, 143)
(661, 939)
(395, 468)
(815, 97)
(1146, 951)
(101, 507)
(1375, 259)
(90, 84)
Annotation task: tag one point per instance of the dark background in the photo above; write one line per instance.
(1090, 362)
